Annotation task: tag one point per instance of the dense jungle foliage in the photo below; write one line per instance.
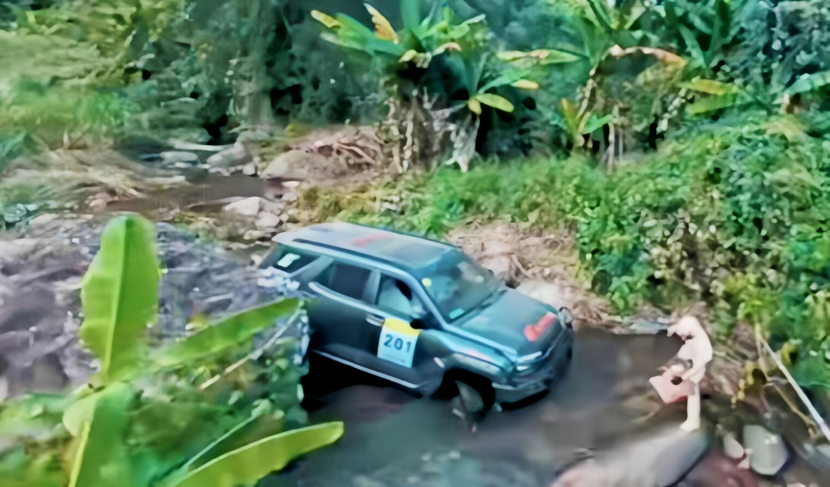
(685, 142)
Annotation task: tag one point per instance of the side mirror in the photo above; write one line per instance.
(419, 320)
(566, 317)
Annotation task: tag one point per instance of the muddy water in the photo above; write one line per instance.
(394, 439)
(206, 192)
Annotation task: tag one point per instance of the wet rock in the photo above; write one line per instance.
(734, 450)
(647, 327)
(43, 219)
(658, 460)
(547, 292)
(257, 234)
(717, 469)
(26, 310)
(249, 169)
(286, 165)
(234, 156)
(44, 374)
(248, 207)
(15, 249)
(267, 220)
(173, 157)
(768, 454)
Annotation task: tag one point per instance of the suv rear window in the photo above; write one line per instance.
(346, 279)
(290, 260)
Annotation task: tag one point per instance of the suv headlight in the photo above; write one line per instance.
(475, 363)
(529, 358)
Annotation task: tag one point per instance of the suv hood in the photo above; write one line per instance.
(503, 323)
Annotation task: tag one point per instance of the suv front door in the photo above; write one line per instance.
(404, 352)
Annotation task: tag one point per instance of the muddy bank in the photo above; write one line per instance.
(41, 266)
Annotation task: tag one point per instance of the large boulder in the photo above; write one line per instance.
(234, 156)
(659, 459)
(249, 207)
(768, 454)
(289, 165)
(173, 157)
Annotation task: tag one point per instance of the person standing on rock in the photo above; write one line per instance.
(696, 350)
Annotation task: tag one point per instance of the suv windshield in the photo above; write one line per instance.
(456, 284)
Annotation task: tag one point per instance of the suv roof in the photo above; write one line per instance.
(372, 243)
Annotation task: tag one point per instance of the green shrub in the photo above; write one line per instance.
(52, 116)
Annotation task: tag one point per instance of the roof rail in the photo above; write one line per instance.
(406, 234)
(346, 250)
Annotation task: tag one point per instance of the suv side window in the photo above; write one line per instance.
(345, 279)
(290, 260)
(396, 295)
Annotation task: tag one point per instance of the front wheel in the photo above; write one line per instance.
(474, 396)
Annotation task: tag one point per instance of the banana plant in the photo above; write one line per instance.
(617, 22)
(102, 454)
(581, 122)
(120, 302)
(458, 43)
(723, 95)
(713, 20)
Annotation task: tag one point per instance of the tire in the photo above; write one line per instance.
(468, 399)
(473, 395)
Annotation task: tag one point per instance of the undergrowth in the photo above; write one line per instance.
(732, 213)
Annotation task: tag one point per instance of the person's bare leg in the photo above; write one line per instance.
(692, 410)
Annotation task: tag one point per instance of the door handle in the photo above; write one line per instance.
(374, 320)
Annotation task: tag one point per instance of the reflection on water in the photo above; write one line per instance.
(402, 440)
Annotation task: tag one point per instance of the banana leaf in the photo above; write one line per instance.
(383, 29)
(411, 13)
(711, 87)
(494, 101)
(693, 46)
(249, 464)
(593, 123)
(120, 296)
(248, 431)
(227, 332)
(809, 82)
(714, 103)
(601, 15)
(720, 31)
(100, 455)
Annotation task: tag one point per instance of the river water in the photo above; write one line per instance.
(395, 439)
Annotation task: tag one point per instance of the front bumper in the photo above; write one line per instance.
(506, 394)
(523, 385)
(527, 384)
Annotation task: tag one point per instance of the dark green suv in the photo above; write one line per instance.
(421, 313)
